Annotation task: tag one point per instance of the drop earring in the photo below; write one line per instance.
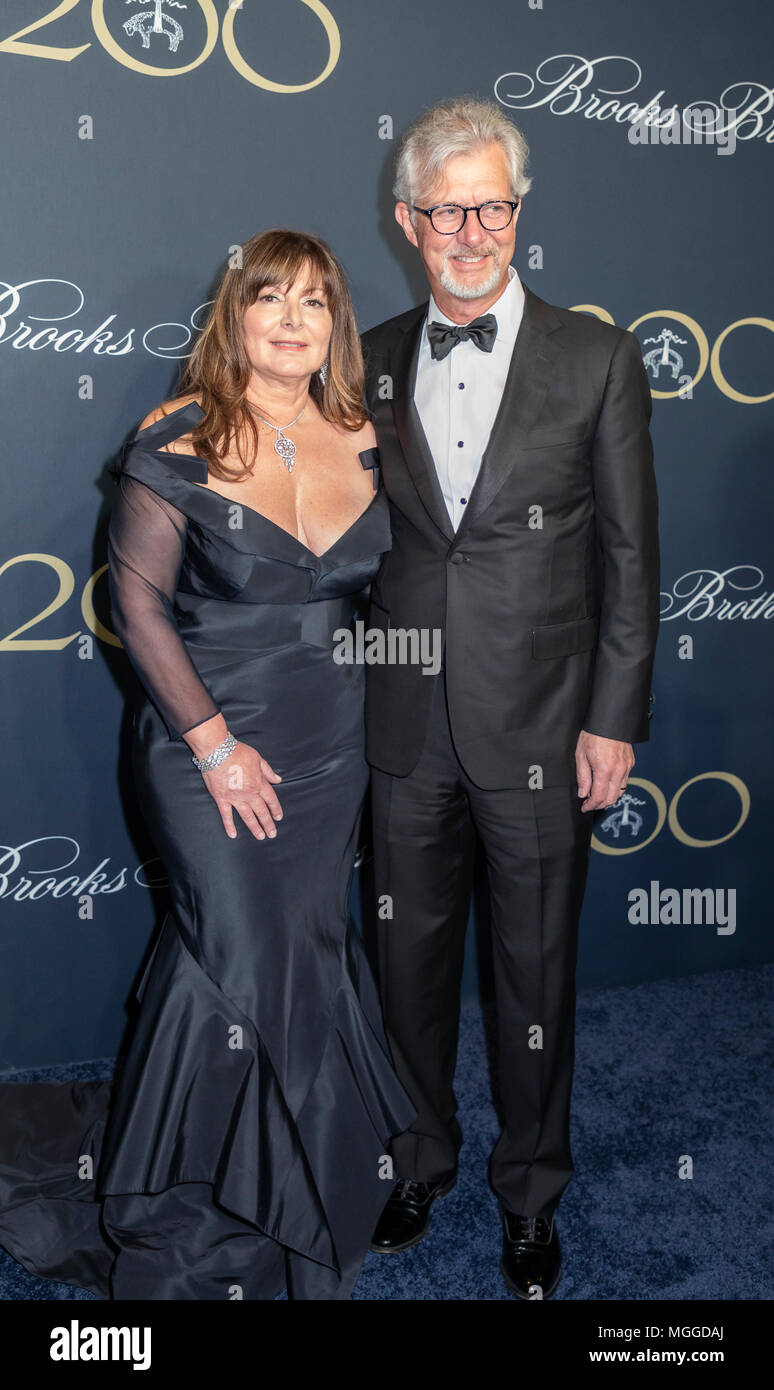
(324, 372)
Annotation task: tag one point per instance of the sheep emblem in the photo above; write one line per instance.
(155, 22)
(664, 356)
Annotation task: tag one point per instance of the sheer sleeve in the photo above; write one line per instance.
(146, 545)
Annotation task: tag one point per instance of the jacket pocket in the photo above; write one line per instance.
(565, 639)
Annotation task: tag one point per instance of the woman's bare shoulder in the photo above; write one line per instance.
(365, 437)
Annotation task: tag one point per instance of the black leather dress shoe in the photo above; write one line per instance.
(532, 1260)
(406, 1217)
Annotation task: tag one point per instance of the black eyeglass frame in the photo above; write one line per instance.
(507, 202)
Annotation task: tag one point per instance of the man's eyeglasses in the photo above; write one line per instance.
(448, 218)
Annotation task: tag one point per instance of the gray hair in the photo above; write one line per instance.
(457, 126)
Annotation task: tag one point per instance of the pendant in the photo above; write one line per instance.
(286, 450)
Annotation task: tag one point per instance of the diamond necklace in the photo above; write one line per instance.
(282, 446)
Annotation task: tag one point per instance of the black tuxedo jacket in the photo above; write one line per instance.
(549, 616)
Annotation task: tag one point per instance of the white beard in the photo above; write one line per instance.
(464, 290)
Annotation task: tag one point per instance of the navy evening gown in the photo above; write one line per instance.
(241, 1148)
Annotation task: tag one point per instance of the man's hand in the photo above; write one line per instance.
(603, 766)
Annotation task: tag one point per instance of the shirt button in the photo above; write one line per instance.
(461, 385)
(463, 500)
(460, 444)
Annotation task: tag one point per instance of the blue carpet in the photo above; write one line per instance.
(666, 1069)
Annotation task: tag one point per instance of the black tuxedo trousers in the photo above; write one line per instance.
(536, 847)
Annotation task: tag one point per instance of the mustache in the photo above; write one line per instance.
(470, 251)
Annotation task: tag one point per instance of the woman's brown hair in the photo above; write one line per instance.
(218, 369)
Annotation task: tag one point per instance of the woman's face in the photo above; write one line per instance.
(288, 329)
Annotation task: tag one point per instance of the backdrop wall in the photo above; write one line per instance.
(142, 141)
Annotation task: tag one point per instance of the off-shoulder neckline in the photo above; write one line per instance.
(139, 435)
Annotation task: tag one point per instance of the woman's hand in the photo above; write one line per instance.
(243, 782)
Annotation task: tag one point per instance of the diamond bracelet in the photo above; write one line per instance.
(217, 755)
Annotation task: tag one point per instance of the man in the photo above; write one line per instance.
(517, 459)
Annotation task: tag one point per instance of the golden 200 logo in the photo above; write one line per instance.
(14, 642)
(164, 26)
(665, 364)
(635, 820)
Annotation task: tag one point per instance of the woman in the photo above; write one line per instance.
(243, 1145)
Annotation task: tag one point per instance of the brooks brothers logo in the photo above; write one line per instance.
(41, 314)
(623, 817)
(38, 869)
(570, 85)
(639, 815)
(706, 593)
(664, 357)
(156, 21)
(154, 29)
(665, 364)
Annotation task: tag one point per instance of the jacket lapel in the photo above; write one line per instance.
(529, 375)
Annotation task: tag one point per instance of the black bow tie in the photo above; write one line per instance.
(444, 336)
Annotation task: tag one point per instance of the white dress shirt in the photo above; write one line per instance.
(458, 398)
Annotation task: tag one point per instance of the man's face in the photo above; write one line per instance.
(469, 266)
